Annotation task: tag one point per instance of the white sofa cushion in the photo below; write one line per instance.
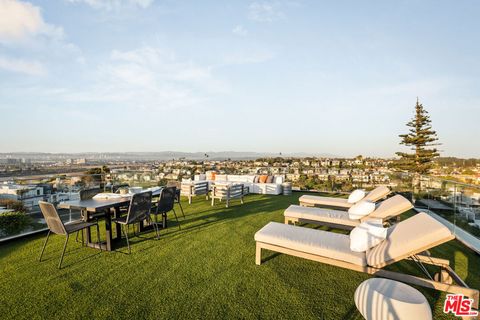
(356, 196)
(200, 177)
(361, 209)
(221, 177)
(279, 179)
(322, 243)
(367, 235)
(234, 178)
(266, 188)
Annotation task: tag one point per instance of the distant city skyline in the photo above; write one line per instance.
(249, 76)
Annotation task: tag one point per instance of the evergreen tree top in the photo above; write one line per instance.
(421, 138)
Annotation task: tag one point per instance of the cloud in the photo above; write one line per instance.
(114, 4)
(248, 57)
(413, 88)
(239, 30)
(21, 21)
(25, 33)
(149, 77)
(265, 11)
(22, 66)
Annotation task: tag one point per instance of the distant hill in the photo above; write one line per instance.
(162, 155)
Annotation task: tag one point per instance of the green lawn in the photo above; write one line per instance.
(205, 270)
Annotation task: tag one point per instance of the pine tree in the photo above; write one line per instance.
(422, 139)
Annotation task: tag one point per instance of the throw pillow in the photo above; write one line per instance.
(361, 209)
(356, 196)
(367, 235)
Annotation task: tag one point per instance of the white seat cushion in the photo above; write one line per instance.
(325, 201)
(321, 215)
(322, 243)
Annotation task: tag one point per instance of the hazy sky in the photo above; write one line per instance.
(337, 77)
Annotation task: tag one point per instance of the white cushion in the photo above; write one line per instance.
(234, 178)
(221, 177)
(361, 209)
(320, 215)
(367, 235)
(279, 179)
(322, 243)
(200, 177)
(356, 196)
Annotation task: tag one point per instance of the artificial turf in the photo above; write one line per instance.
(205, 270)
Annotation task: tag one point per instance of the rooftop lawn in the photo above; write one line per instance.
(207, 269)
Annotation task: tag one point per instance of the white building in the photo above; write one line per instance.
(28, 194)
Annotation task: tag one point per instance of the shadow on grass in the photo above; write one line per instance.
(54, 253)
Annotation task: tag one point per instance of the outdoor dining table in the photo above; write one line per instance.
(105, 206)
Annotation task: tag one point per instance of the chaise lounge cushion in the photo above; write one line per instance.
(408, 237)
(325, 201)
(320, 214)
(322, 243)
(391, 207)
(374, 195)
(377, 193)
(388, 208)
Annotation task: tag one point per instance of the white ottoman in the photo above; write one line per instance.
(382, 299)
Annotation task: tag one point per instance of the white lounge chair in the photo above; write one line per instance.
(313, 201)
(385, 210)
(405, 240)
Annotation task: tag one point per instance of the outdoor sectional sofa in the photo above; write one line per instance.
(273, 188)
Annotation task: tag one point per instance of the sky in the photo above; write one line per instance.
(336, 77)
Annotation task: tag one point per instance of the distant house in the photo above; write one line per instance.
(30, 195)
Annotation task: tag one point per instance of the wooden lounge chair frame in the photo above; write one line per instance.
(442, 283)
(194, 188)
(227, 193)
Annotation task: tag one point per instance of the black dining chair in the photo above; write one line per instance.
(178, 190)
(138, 211)
(56, 225)
(165, 204)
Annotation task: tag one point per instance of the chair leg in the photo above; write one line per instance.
(181, 209)
(155, 226)
(44, 245)
(176, 218)
(63, 253)
(98, 238)
(124, 227)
